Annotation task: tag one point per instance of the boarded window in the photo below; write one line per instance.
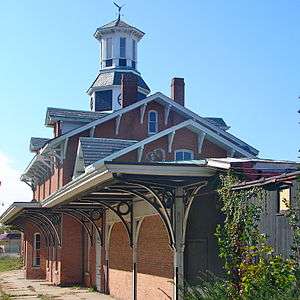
(284, 199)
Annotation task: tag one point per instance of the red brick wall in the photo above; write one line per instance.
(32, 272)
(155, 261)
(71, 252)
(120, 263)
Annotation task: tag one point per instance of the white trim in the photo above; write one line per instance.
(201, 137)
(167, 113)
(118, 121)
(184, 151)
(189, 124)
(142, 113)
(170, 140)
(156, 96)
(15, 208)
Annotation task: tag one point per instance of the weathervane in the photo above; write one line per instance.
(119, 9)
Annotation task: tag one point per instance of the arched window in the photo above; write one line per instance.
(184, 154)
(152, 122)
(36, 250)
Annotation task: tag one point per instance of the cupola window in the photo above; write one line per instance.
(184, 154)
(108, 52)
(152, 122)
(122, 47)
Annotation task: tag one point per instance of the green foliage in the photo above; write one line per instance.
(207, 288)
(8, 263)
(253, 270)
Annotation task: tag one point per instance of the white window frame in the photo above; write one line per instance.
(106, 48)
(34, 262)
(156, 122)
(184, 151)
(134, 50)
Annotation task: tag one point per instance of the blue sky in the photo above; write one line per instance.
(240, 61)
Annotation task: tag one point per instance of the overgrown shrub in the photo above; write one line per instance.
(253, 270)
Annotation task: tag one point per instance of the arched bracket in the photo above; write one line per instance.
(159, 204)
(121, 213)
(189, 199)
(85, 216)
(48, 221)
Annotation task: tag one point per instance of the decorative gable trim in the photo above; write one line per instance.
(190, 124)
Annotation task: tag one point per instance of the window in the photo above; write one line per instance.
(284, 200)
(183, 154)
(134, 50)
(108, 63)
(122, 62)
(133, 64)
(152, 122)
(36, 250)
(108, 48)
(122, 47)
(103, 100)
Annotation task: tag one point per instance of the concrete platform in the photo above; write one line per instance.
(14, 284)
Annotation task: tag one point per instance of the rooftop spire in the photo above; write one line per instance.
(119, 7)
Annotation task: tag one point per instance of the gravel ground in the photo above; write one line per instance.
(17, 287)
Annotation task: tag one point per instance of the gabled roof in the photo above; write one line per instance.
(94, 149)
(199, 123)
(113, 77)
(166, 101)
(36, 143)
(62, 114)
(189, 124)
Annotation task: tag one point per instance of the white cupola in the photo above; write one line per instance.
(118, 45)
(118, 55)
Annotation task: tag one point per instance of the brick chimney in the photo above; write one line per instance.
(129, 89)
(177, 90)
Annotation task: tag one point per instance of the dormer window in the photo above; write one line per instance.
(122, 47)
(183, 154)
(152, 122)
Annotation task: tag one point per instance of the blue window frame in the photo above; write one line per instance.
(152, 122)
(184, 154)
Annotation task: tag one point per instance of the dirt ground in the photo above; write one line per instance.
(14, 286)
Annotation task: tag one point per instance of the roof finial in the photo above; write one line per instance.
(119, 10)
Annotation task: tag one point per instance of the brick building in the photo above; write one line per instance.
(123, 194)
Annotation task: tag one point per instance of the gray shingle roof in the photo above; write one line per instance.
(219, 122)
(36, 143)
(118, 23)
(94, 149)
(55, 114)
(114, 78)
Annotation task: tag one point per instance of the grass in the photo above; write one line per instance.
(10, 263)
